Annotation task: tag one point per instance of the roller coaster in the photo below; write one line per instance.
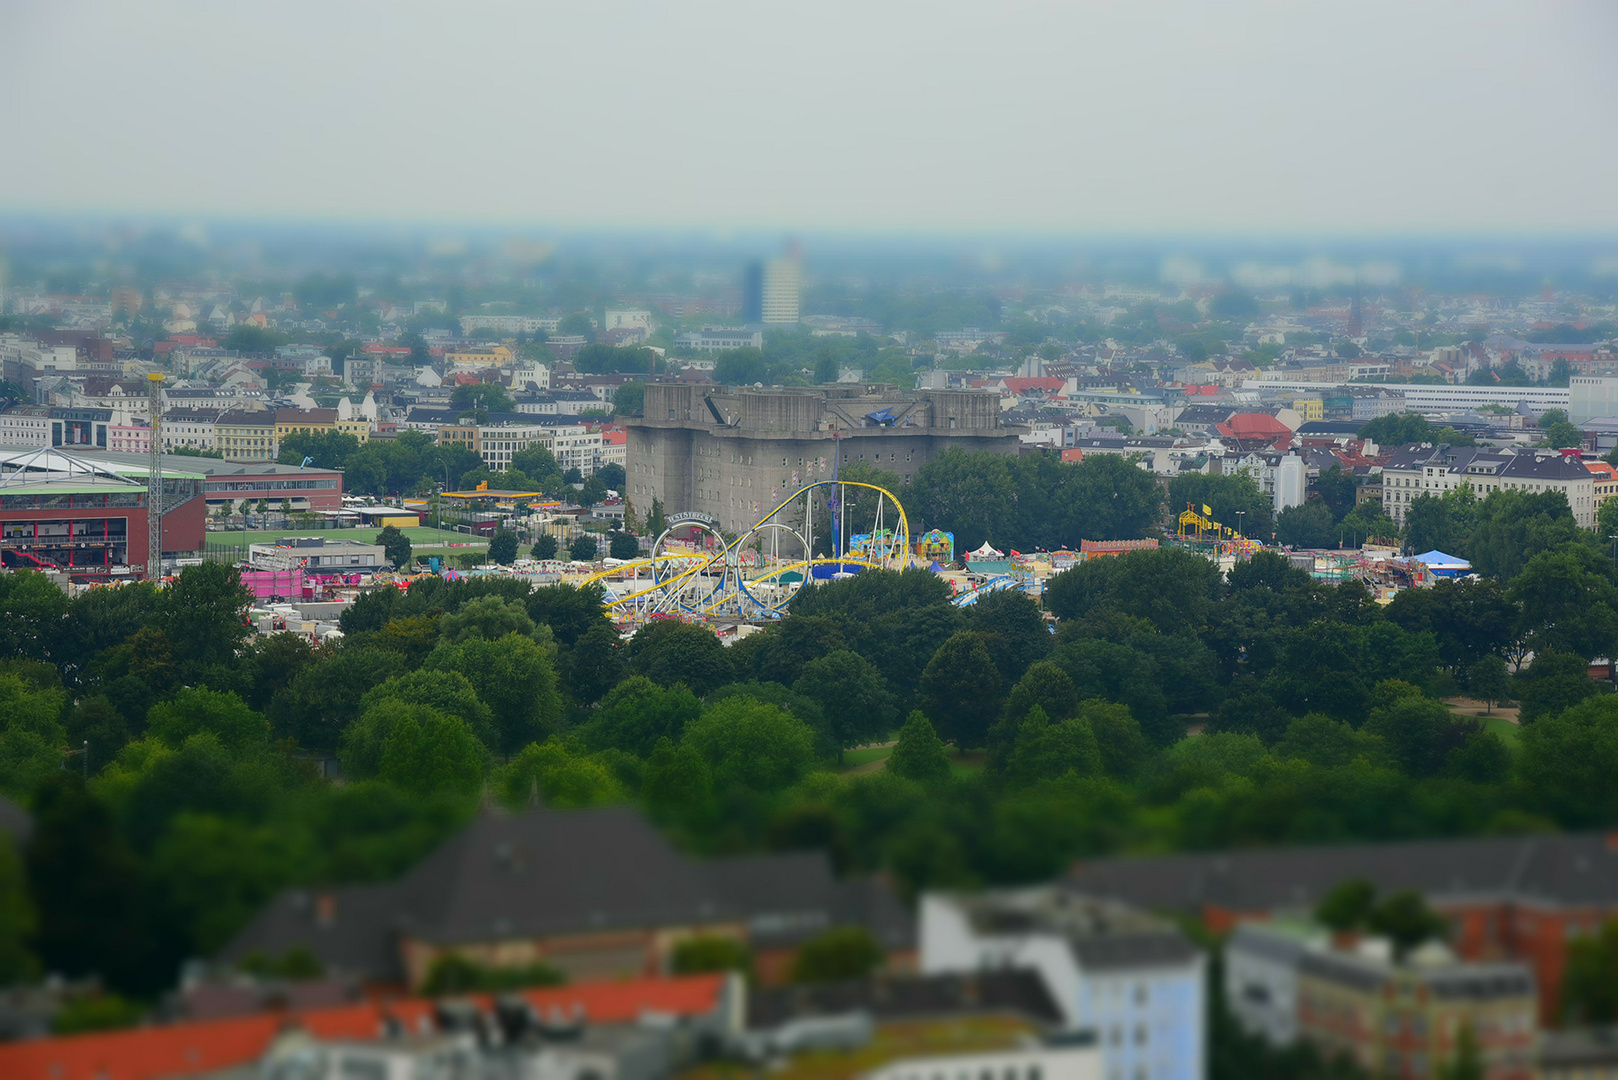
(753, 576)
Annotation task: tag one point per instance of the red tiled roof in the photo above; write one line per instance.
(1253, 426)
(1022, 386)
(184, 1049)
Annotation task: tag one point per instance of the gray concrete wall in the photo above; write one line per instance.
(772, 441)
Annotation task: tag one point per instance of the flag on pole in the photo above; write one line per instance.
(1207, 511)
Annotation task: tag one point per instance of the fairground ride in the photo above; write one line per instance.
(702, 575)
(1195, 526)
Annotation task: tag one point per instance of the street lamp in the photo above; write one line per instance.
(1239, 515)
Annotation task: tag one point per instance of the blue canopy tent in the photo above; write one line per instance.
(1441, 565)
(883, 416)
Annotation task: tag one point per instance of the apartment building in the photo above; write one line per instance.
(575, 446)
(509, 324)
(191, 428)
(1424, 469)
(1132, 978)
(314, 421)
(25, 426)
(477, 358)
(1521, 898)
(23, 360)
(1395, 1017)
(1605, 479)
(719, 339)
(578, 447)
(134, 438)
(246, 436)
(29, 427)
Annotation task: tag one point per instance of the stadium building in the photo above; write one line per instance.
(70, 513)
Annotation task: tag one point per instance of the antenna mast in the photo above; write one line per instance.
(154, 482)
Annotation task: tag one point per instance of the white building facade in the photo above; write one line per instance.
(719, 339)
(1134, 981)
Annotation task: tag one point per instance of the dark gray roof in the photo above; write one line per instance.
(1526, 465)
(869, 902)
(1204, 414)
(1481, 982)
(895, 997)
(1450, 982)
(1343, 968)
(1133, 950)
(788, 893)
(358, 938)
(1339, 428)
(1554, 869)
(549, 873)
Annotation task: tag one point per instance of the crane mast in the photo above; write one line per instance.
(154, 482)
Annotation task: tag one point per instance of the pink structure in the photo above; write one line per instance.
(287, 584)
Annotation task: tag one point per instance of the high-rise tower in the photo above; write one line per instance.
(783, 285)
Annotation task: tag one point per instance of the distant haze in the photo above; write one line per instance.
(1119, 118)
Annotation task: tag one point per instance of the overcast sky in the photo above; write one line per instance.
(1129, 117)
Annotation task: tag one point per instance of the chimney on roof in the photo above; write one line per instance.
(325, 908)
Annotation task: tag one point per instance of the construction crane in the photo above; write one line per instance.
(154, 482)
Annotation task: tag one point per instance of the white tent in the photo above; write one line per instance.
(986, 552)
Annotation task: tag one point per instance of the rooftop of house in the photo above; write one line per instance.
(1203, 414)
(1253, 425)
(1445, 978)
(1551, 870)
(1469, 460)
(1102, 933)
(305, 416)
(1018, 991)
(214, 1045)
(498, 878)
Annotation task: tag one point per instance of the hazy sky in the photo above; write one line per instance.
(1102, 117)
